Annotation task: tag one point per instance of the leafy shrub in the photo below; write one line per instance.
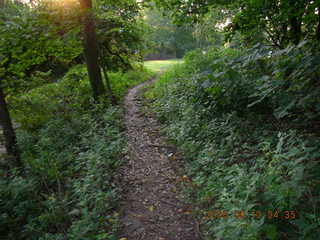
(120, 81)
(245, 121)
(67, 97)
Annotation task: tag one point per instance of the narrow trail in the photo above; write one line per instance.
(153, 206)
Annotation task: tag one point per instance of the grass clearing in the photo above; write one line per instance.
(161, 65)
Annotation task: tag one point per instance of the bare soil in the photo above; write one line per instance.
(153, 206)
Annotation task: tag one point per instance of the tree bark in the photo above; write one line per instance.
(295, 20)
(9, 134)
(113, 99)
(91, 50)
(295, 30)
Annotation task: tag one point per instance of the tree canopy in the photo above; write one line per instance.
(277, 22)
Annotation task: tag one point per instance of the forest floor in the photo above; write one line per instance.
(153, 206)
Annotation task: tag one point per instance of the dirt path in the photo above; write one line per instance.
(153, 207)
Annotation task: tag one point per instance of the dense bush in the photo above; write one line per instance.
(70, 148)
(247, 123)
(69, 96)
(36, 41)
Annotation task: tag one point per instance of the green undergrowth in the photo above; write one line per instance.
(122, 81)
(248, 123)
(71, 149)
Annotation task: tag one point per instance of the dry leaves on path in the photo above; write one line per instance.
(153, 206)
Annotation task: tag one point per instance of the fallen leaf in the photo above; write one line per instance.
(116, 214)
(151, 208)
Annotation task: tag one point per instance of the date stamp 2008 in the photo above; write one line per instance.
(242, 214)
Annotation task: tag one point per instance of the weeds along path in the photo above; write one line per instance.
(153, 206)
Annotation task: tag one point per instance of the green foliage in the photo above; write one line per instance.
(167, 40)
(39, 105)
(120, 33)
(125, 80)
(276, 22)
(30, 42)
(71, 149)
(46, 39)
(246, 121)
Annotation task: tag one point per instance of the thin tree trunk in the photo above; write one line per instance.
(91, 50)
(318, 27)
(108, 85)
(9, 134)
(284, 35)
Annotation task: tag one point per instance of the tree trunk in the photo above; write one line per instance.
(91, 50)
(295, 20)
(9, 134)
(113, 99)
(318, 27)
(295, 30)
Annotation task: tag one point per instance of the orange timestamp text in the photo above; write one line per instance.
(242, 214)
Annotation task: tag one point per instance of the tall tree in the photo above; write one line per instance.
(91, 49)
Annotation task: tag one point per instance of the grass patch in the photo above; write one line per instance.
(161, 65)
